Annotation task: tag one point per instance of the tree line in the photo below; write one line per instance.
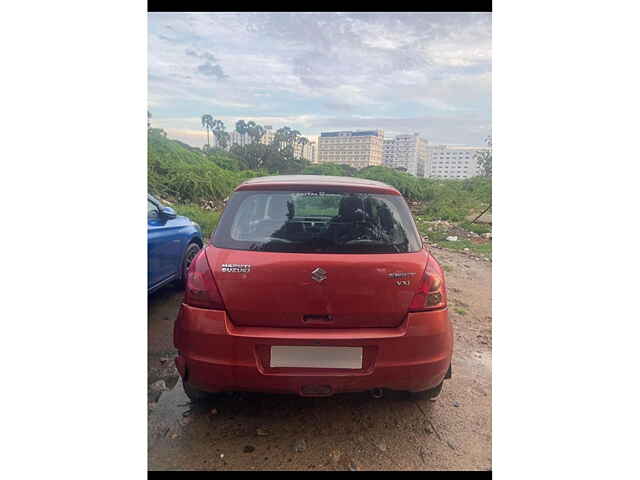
(276, 156)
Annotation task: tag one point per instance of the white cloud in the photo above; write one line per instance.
(306, 68)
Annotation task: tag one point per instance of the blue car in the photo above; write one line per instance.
(173, 242)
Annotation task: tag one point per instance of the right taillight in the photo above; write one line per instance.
(200, 288)
(431, 293)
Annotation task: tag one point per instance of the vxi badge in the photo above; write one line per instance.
(401, 274)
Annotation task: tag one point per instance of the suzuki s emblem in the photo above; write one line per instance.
(319, 275)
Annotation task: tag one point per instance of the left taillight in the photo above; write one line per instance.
(432, 292)
(201, 289)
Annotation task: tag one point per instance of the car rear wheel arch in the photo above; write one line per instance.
(189, 250)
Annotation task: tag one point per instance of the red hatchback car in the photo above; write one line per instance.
(314, 285)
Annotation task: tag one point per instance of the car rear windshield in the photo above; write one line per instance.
(317, 222)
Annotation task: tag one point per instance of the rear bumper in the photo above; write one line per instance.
(215, 355)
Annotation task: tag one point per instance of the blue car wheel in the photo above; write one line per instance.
(189, 254)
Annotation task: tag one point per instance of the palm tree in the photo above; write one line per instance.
(302, 141)
(223, 140)
(255, 131)
(294, 135)
(241, 127)
(282, 137)
(207, 122)
(218, 130)
(251, 128)
(260, 131)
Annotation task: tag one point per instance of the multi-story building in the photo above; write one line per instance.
(453, 162)
(358, 149)
(269, 135)
(388, 148)
(306, 151)
(408, 153)
(314, 152)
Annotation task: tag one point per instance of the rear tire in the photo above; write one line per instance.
(195, 395)
(431, 394)
(189, 254)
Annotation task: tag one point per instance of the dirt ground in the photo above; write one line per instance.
(342, 432)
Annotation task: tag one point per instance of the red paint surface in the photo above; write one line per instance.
(220, 356)
(227, 347)
(279, 290)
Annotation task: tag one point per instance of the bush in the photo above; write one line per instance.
(455, 200)
(478, 228)
(207, 219)
(190, 176)
(330, 169)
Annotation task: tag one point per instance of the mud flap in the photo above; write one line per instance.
(448, 374)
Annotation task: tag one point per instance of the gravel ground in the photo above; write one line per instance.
(342, 432)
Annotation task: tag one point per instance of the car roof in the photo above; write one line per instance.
(316, 182)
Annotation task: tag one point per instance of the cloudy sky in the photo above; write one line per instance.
(401, 72)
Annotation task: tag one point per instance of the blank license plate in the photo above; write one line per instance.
(316, 357)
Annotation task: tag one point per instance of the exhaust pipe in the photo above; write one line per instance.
(377, 393)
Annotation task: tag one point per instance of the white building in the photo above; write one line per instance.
(453, 162)
(310, 152)
(306, 151)
(407, 152)
(314, 152)
(388, 146)
(269, 135)
(358, 149)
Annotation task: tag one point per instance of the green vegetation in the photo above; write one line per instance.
(481, 247)
(485, 159)
(207, 219)
(189, 176)
(257, 156)
(334, 169)
(460, 311)
(322, 206)
(478, 228)
(440, 199)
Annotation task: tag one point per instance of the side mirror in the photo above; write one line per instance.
(168, 212)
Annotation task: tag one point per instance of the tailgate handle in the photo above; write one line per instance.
(317, 318)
